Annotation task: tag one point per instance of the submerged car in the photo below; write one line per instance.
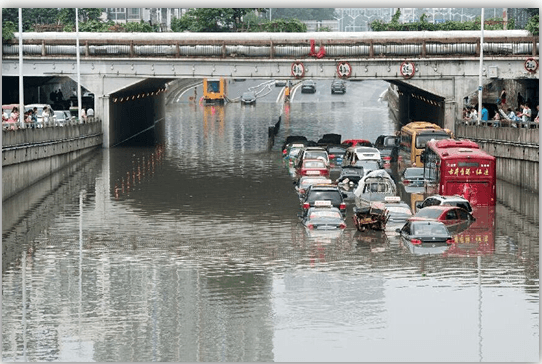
(304, 182)
(413, 177)
(374, 186)
(326, 192)
(248, 98)
(338, 86)
(425, 237)
(455, 218)
(312, 167)
(336, 154)
(308, 86)
(323, 216)
(398, 211)
(357, 142)
(436, 200)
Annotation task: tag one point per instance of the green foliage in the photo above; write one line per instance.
(92, 26)
(67, 16)
(423, 24)
(141, 27)
(303, 13)
(8, 28)
(31, 16)
(212, 19)
(281, 26)
(325, 29)
(533, 25)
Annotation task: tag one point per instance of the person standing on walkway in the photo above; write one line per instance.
(485, 114)
(502, 96)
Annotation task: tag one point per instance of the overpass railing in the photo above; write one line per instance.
(277, 45)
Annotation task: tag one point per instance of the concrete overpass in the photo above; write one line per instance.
(129, 71)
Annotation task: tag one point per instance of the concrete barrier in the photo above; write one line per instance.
(28, 155)
(516, 150)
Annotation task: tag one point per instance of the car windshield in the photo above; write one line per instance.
(376, 187)
(414, 173)
(337, 151)
(314, 164)
(324, 213)
(398, 210)
(315, 154)
(368, 165)
(425, 229)
(429, 213)
(329, 195)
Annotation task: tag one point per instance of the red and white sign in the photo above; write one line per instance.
(531, 65)
(298, 69)
(344, 69)
(408, 69)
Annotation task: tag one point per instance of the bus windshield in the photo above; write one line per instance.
(421, 140)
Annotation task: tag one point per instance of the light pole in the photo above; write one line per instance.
(21, 86)
(78, 65)
(481, 68)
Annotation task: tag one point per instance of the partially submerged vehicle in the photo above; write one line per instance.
(374, 186)
(370, 196)
(373, 216)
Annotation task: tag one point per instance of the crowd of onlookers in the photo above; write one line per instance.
(10, 121)
(522, 116)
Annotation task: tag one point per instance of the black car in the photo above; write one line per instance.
(308, 86)
(425, 237)
(338, 86)
(324, 192)
(248, 98)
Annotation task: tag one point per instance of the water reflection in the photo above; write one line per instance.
(191, 250)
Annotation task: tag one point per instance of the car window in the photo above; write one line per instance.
(429, 213)
(464, 205)
(333, 196)
(451, 215)
(462, 215)
(314, 164)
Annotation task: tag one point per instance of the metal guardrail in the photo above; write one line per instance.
(257, 45)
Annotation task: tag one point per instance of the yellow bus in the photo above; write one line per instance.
(412, 139)
(214, 90)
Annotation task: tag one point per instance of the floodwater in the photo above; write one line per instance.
(190, 250)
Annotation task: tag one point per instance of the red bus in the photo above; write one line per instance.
(460, 167)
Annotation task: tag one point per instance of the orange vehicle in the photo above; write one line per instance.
(460, 167)
(214, 90)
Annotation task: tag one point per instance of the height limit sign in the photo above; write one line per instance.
(298, 69)
(344, 69)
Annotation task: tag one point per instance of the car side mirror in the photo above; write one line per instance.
(397, 230)
(422, 157)
(419, 204)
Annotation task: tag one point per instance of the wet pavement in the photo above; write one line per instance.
(191, 250)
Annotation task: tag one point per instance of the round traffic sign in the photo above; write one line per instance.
(407, 69)
(344, 69)
(531, 65)
(298, 69)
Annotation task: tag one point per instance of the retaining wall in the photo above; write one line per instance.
(29, 155)
(516, 150)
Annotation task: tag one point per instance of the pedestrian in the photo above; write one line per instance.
(536, 119)
(526, 114)
(52, 96)
(60, 96)
(83, 116)
(502, 96)
(46, 115)
(34, 117)
(473, 114)
(90, 114)
(485, 114)
(14, 118)
(520, 100)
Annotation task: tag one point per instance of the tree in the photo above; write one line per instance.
(211, 19)
(67, 15)
(31, 16)
(304, 13)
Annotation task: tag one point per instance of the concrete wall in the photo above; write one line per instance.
(516, 150)
(29, 155)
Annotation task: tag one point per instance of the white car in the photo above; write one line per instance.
(356, 154)
(63, 117)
